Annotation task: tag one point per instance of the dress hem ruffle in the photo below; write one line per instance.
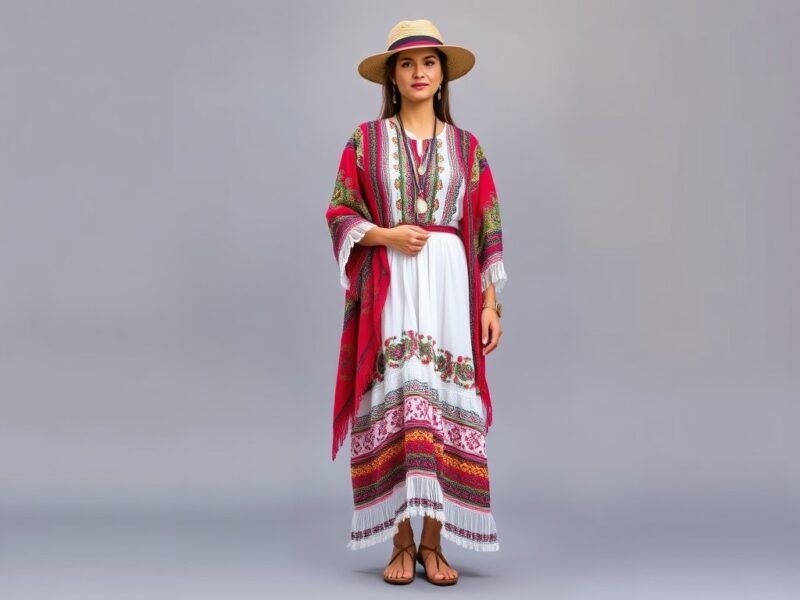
(423, 488)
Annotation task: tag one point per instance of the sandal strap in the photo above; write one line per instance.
(437, 551)
(400, 550)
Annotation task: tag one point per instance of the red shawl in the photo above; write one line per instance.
(361, 194)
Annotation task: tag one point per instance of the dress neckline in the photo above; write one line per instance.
(413, 137)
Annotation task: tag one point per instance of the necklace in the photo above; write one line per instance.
(421, 204)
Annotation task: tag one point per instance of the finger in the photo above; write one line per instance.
(484, 331)
(494, 329)
(494, 336)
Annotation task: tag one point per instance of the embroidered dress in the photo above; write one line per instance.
(417, 444)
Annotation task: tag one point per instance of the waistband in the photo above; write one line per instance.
(432, 227)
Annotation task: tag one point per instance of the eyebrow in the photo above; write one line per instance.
(423, 58)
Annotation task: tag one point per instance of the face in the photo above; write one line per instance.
(418, 74)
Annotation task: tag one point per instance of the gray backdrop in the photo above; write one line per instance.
(170, 309)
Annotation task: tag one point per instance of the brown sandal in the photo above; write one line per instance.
(413, 555)
(439, 555)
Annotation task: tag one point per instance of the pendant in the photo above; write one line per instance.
(422, 206)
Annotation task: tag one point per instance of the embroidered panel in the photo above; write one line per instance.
(417, 402)
(356, 143)
(491, 233)
(394, 398)
(455, 182)
(443, 206)
(452, 368)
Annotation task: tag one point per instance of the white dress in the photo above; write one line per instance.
(417, 445)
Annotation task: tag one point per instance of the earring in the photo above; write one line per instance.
(440, 93)
(394, 97)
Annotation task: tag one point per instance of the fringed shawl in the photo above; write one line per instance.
(361, 194)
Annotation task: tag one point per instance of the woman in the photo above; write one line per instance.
(415, 225)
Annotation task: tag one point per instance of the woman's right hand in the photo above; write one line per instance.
(408, 239)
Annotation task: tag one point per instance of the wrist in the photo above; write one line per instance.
(496, 307)
(387, 235)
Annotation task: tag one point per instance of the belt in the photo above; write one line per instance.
(432, 227)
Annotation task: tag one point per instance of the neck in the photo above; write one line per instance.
(419, 117)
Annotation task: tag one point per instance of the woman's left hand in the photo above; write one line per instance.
(490, 330)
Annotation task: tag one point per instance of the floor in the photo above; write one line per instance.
(552, 553)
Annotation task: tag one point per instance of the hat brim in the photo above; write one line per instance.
(459, 62)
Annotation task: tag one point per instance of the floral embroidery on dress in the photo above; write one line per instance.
(460, 370)
(457, 369)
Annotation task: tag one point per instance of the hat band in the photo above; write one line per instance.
(414, 40)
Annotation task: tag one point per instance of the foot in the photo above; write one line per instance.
(431, 539)
(402, 567)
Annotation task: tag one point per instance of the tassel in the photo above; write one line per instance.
(340, 430)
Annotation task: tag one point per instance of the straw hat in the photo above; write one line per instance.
(416, 34)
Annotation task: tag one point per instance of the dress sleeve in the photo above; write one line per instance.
(347, 215)
(490, 231)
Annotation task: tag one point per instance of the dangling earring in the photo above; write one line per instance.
(440, 93)
(394, 97)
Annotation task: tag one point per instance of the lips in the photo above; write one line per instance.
(419, 86)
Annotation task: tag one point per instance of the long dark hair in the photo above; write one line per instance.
(440, 107)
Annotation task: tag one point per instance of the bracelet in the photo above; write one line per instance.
(498, 308)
